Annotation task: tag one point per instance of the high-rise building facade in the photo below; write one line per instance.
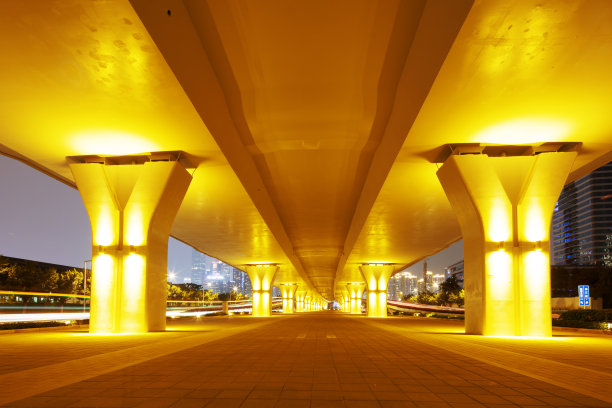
(402, 284)
(581, 231)
(457, 271)
(217, 276)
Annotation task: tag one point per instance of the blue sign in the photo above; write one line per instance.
(583, 295)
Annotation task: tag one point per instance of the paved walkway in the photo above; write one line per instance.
(320, 359)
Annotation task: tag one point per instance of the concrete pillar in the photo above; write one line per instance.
(504, 206)
(376, 277)
(300, 295)
(262, 276)
(308, 302)
(346, 307)
(131, 208)
(355, 290)
(288, 292)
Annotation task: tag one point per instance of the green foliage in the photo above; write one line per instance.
(580, 324)
(450, 286)
(31, 276)
(584, 319)
(427, 298)
(28, 325)
(190, 291)
(457, 299)
(586, 315)
(239, 296)
(174, 292)
(225, 296)
(439, 299)
(210, 295)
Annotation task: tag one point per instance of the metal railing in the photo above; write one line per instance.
(20, 306)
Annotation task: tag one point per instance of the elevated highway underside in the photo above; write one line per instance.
(312, 131)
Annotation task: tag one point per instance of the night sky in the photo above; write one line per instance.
(44, 220)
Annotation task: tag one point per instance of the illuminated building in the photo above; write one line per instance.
(402, 284)
(218, 276)
(582, 221)
(456, 270)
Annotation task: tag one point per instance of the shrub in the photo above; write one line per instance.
(586, 315)
(225, 296)
(29, 325)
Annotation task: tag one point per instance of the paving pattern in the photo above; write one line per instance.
(322, 359)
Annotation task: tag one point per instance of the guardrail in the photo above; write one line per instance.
(408, 307)
(48, 306)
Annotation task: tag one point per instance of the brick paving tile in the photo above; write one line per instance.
(224, 403)
(291, 403)
(397, 404)
(432, 404)
(327, 395)
(362, 404)
(359, 396)
(458, 398)
(473, 404)
(327, 404)
(259, 403)
(190, 403)
(296, 362)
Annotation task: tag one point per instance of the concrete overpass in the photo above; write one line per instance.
(319, 146)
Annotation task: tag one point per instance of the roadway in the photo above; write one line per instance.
(321, 359)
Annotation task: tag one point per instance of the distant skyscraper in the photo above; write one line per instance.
(402, 284)
(456, 270)
(198, 267)
(581, 232)
(217, 276)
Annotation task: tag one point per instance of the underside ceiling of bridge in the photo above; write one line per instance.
(313, 129)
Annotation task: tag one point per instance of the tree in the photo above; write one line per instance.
(240, 296)
(426, 298)
(450, 285)
(458, 299)
(210, 295)
(175, 292)
(6, 269)
(225, 296)
(191, 291)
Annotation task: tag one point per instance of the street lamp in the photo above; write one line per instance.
(235, 289)
(85, 282)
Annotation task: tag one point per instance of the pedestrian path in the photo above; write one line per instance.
(322, 359)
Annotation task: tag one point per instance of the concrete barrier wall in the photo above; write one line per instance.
(571, 303)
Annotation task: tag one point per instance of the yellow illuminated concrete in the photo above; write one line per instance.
(315, 152)
(300, 299)
(288, 293)
(504, 206)
(355, 291)
(376, 277)
(262, 276)
(308, 302)
(131, 209)
(308, 160)
(346, 300)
